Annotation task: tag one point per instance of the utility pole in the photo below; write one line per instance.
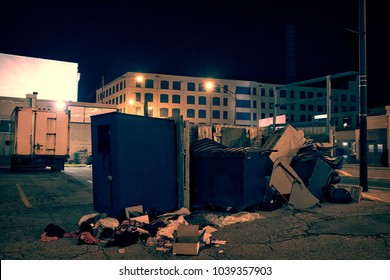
(146, 109)
(102, 94)
(329, 109)
(363, 96)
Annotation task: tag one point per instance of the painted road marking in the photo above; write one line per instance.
(345, 173)
(23, 196)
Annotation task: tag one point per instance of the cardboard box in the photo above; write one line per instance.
(187, 240)
(136, 213)
(356, 191)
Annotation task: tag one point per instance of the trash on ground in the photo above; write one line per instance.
(136, 213)
(187, 240)
(240, 217)
(294, 171)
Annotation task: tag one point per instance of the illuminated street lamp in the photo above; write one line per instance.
(139, 78)
(210, 86)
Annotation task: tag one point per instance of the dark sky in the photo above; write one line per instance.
(243, 40)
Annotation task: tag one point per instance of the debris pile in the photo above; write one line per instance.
(304, 173)
(167, 232)
(289, 170)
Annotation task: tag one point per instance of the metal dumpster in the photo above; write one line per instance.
(134, 163)
(226, 177)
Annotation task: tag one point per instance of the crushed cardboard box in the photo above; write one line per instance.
(187, 240)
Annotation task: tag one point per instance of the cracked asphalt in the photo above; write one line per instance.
(354, 231)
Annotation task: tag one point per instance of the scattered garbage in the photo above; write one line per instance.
(291, 171)
(240, 217)
(167, 232)
(187, 240)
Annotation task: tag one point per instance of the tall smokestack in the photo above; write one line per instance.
(291, 67)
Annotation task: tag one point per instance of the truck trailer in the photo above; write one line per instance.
(39, 138)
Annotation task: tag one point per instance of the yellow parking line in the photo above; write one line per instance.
(23, 196)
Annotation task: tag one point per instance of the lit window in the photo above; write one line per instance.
(347, 122)
(163, 112)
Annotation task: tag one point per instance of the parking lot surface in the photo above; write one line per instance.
(31, 200)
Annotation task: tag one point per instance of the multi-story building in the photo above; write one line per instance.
(233, 102)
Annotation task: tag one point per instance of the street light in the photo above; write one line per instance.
(210, 86)
(139, 78)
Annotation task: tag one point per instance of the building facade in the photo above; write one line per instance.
(232, 102)
(53, 79)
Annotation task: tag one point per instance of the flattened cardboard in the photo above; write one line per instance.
(300, 197)
(136, 213)
(142, 219)
(187, 240)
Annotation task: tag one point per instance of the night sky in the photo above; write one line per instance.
(243, 40)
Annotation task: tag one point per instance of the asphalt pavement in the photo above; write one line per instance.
(31, 200)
